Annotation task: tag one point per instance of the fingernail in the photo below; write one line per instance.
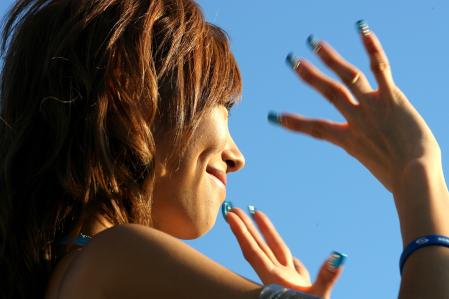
(313, 43)
(363, 27)
(225, 208)
(292, 61)
(336, 260)
(274, 118)
(251, 210)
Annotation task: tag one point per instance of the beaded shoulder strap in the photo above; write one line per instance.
(274, 291)
(81, 240)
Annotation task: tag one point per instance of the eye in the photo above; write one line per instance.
(229, 106)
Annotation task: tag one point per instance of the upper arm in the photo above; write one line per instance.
(133, 261)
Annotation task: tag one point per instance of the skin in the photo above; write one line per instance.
(272, 259)
(140, 262)
(187, 198)
(389, 137)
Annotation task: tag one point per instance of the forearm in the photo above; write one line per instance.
(422, 201)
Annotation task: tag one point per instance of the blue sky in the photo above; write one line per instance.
(320, 198)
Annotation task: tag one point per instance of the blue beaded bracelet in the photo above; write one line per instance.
(430, 240)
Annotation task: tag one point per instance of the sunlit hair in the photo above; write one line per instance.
(87, 88)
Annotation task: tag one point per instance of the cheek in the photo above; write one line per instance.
(185, 192)
(187, 201)
(186, 206)
(211, 135)
(210, 146)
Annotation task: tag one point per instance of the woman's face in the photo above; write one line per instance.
(187, 198)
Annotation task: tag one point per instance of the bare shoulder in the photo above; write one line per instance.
(140, 262)
(129, 238)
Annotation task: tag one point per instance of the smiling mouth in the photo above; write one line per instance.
(217, 175)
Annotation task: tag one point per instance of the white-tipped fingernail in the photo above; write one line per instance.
(363, 27)
(292, 61)
(336, 260)
(313, 43)
(225, 208)
(251, 210)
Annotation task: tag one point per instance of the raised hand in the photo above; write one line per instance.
(383, 130)
(272, 260)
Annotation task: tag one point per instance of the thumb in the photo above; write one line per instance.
(329, 273)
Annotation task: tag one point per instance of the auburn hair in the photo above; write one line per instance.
(87, 89)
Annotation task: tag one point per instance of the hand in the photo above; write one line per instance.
(272, 259)
(383, 130)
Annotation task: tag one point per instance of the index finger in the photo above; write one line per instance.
(249, 246)
(255, 234)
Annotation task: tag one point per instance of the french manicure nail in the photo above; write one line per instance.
(336, 260)
(274, 118)
(225, 208)
(292, 61)
(313, 43)
(363, 27)
(251, 210)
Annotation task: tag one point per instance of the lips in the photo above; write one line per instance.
(220, 175)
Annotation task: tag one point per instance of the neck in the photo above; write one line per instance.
(95, 225)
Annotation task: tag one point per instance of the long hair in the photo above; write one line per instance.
(87, 88)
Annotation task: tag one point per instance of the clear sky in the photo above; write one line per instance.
(320, 198)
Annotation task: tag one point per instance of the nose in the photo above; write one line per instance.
(233, 157)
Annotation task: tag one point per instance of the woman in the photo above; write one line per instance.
(114, 126)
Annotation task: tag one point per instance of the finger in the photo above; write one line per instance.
(250, 248)
(353, 78)
(273, 238)
(255, 234)
(333, 91)
(301, 269)
(379, 61)
(329, 273)
(318, 128)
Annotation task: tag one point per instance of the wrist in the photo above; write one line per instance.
(422, 200)
(424, 171)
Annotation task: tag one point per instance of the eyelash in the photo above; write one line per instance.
(229, 106)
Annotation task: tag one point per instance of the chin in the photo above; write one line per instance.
(185, 224)
(198, 229)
